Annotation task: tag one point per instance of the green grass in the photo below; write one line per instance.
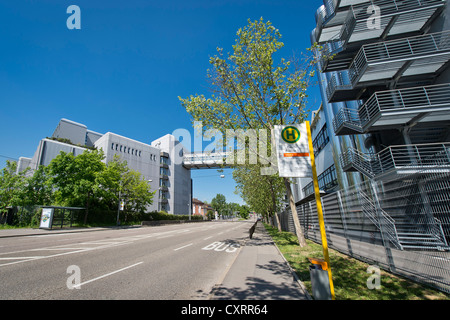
(349, 275)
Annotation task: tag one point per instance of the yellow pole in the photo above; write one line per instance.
(319, 210)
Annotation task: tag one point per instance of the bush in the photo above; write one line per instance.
(161, 215)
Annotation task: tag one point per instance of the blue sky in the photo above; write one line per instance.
(124, 70)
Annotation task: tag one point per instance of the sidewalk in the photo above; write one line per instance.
(260, 272)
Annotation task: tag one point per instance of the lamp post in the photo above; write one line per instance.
(119, 207)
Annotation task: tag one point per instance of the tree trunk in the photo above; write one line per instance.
(278, 221)
(274, 204)
(298, 229)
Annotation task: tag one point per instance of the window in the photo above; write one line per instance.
(321, 140)
(327, 181)
(112, 146)
(120, 148)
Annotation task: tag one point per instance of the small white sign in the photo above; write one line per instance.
(293, 151)
(46, 218)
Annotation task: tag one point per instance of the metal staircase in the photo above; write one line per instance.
(401, 231)
(381, 219)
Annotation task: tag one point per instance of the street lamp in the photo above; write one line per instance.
(120, 206)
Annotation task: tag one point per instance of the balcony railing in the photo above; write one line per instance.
(405, 159)
(381, 62)
(394, 107)
(396, 17)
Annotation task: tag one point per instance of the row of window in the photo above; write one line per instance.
(327, 180)
(117, 147)
(321, 140)
(132, 151)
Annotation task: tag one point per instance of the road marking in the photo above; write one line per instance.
(162, 237)
(190, 244)
(222, 246)
(106, 275)
(20, 258)
(208, 238)
(62, 254)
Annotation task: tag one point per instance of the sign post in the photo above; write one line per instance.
(319, 210)
(295, 155)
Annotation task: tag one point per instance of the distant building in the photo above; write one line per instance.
(200, 208)
(156, 161)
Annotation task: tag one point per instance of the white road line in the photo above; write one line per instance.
(62, 254)
(106, 275)
(208, 238)
(190, 244)
(162, 237)
(20, 258)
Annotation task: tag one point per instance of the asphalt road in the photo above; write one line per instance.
(174, 262)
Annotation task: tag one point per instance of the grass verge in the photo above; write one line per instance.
(349, 275)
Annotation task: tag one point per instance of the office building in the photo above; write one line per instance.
(157, 162)
(382, 135)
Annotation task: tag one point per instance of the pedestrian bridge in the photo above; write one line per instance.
(203, 160)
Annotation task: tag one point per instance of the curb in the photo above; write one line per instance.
(56, 231)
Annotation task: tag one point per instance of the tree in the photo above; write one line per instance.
(11, 185)
(136, 192)
(110, 182)
(75, 178)
(36, 188)
(244, 211)
(264, 193)
(219, 203)
(250, 91)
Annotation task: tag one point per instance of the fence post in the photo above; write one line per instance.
(386, 245)
(344, 222)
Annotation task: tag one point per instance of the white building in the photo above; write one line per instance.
(160, 162)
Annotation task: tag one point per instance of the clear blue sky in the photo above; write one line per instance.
(124, 70)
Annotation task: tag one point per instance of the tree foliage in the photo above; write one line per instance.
(250, 90)
(263, 193)
(219, 203)
(11, 185)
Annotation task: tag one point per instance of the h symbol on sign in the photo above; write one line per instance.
(290, 134)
